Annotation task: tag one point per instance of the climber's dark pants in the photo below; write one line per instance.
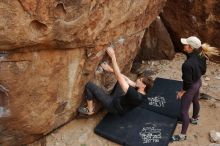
(191, 95)
(93, 91)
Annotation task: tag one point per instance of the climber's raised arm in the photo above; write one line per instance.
(129, 81)
(119, 76)
(108, 68)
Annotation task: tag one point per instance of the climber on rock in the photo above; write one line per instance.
(126, 94)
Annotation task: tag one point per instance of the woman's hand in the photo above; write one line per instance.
(111, 52)
(180, 94)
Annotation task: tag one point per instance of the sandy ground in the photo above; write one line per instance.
(79, 132)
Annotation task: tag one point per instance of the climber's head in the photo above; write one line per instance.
(143, 83)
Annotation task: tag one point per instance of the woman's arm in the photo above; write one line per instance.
(187, 80)
(108, 68)
(124, 85)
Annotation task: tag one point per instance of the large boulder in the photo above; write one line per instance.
(49, 49)
(156, 43)
(184, 18)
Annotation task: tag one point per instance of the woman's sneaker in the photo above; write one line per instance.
(194, 121)
(179, 137)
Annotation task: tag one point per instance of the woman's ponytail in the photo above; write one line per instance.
(208, 51)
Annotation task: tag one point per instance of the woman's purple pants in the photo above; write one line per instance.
(191, 95)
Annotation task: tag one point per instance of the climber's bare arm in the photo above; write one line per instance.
(108, 68)
(119, 76)
(129, 81)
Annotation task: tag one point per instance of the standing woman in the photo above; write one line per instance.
(192, 70)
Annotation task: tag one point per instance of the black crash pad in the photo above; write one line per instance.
(139, 127)
(162, 97)
(150, 124)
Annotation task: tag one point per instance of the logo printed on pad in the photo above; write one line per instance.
(150, 134)
(157, 101)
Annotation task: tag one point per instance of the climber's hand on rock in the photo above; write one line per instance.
(111, 52)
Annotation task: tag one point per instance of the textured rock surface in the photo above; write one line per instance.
(193, 17)
(214, 144)
(49, 49)
(71, 24)
(156, 43)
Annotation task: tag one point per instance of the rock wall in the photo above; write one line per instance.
(49, 49)
(156, 43)
(193, 17)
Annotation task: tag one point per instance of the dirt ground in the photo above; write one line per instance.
(80, 132)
